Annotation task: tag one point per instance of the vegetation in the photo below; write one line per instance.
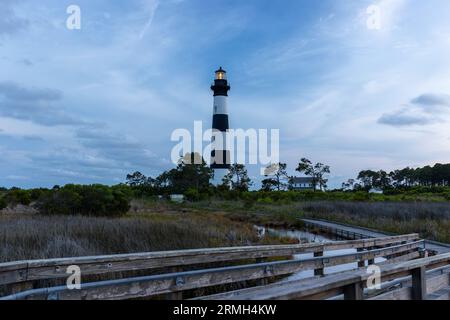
(237, 179)
(277, 178)
(316, 171)
(161, 226)
(404, 179)
(430, 219)
(413, 200)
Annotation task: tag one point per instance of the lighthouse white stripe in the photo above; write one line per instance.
(220, 105)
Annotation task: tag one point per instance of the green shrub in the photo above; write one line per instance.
(17, 196)
(266, 200)
(3, 203)
(91, 200)
(360, 196)
(192, 195)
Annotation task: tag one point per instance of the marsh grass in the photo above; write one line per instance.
(430, 219)
(40, 237)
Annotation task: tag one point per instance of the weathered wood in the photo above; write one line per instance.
(161, 284)
(318, 271)
(56, 268)
(361, 263)
(403, 257)
(438, 282)
(263, 281)
(351, 285)
(443, 294)
(419, 283)
(398, 294)
(354, 291)
(306, 289)
(434, 283)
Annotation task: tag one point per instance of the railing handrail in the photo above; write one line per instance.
(22, 271)
(334, 284)
(387, 233)
(188, 280)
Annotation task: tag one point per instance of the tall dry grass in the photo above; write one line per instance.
(430, 219)
(40, 237)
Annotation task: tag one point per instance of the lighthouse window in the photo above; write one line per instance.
(220, 75)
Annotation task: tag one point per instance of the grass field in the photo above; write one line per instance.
(430, 219)
(159, 225)
(156, 229)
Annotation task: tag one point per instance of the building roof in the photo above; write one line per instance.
(303, 180)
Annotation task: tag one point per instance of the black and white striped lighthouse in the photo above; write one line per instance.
(220, 155)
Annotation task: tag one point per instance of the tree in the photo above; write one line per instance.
(192, 172)
(317, 172)
(382, 181)
(367, 178)
(136, 179)
(3, 203)
(349, 185)
(278, 177)
(237, 178)
(268, 184)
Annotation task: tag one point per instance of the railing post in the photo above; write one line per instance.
(177, 295)
(361, 263)
(262, 281)
(370, 261)
(419, 283)
(319, 271)
(354, 291)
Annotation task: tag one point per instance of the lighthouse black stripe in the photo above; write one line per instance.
(220, 88)
(222, 161)
(220, 122)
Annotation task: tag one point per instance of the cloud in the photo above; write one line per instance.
(430, 99)
(152, 11)
(124, 151)
(9, 22)
(34, 104)
(16, 177)
(16, 92)
(26, 62)
(402, 118)
(425, 109)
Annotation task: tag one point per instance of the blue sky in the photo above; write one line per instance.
(91, 105)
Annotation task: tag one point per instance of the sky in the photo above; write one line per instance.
(91, 105)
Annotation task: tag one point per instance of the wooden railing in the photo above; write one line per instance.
(396, 248)
(352, 284)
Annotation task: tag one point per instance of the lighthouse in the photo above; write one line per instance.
(220, 155)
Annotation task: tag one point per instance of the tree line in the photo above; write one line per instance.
(71, 199)
(192, 178)
(194, 181)
(428, 176)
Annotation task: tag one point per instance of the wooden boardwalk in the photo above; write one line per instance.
(353, 232)
(217, 273)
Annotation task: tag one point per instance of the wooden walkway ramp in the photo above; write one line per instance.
(354, 232)
(220, 272)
